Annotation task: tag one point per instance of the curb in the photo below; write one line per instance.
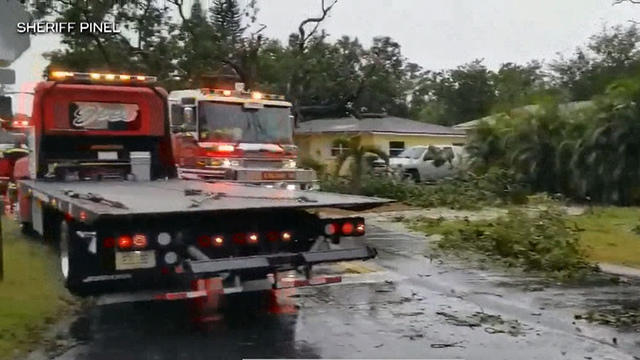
(619, 270)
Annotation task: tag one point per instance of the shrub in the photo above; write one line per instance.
(541, 241)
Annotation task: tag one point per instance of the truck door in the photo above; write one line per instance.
(183, 135)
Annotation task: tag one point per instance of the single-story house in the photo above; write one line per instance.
(390, 134)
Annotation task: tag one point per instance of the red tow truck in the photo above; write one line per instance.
(100, 182)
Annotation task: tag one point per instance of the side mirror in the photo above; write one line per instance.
(187, 114)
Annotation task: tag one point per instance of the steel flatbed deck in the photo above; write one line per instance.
(91, 200)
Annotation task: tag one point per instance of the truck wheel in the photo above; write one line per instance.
(69, 261)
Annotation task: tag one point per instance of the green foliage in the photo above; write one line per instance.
(610, 55)
(356, 152)
(311, 163)
(591, 153)
(540, 241)
(495, 188)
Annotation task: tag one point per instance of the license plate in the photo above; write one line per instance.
(135, 260)
(278, 175)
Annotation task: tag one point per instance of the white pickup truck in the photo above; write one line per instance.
(428, 162)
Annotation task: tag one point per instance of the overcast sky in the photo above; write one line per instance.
(436, 34)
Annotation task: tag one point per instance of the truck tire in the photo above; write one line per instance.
(69, 260)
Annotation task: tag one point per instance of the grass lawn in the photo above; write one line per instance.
(608, 235)
(31, 295)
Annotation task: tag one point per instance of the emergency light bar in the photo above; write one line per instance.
(255, 95)
(102, 78)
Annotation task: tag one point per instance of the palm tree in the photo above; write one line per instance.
(354, 150)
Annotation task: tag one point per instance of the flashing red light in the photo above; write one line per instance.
(347, 228)
(125, 242)
(273, 236)
(109, 242)
(204, 241)
(225, 148)
(252, 238)
(330, 229)
(139, 241)
(218, 240)
(360, 228)
(83, 216)
(286, 236)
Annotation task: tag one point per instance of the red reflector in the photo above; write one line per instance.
(360, 228)
(218, 240)
(239, 238)
(347, 228)
(286, 236)
(330, 229)
(273, 236)
(125, 242)
(139, 241)
(204, 241)
(252, 238)
(109, 242)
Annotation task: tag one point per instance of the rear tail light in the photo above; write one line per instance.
(239, 238)
(204, 241)
(218, 241)
(330, 229)
(108, 242)
(360, 228)
(347, 228)
(273, 236)
(252, 238)
(286, 236)
(125, 242)
(140, 241)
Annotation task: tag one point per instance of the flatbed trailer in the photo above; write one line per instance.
(98, 215)
(181, 196)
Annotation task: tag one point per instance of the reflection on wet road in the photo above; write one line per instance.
(399, 306)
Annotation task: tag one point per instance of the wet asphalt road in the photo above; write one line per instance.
(401, 305)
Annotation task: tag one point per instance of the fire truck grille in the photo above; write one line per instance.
(268, 164)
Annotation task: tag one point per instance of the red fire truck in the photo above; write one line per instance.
(236, 135)
(100, 182)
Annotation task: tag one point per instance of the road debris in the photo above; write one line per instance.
(447, 345)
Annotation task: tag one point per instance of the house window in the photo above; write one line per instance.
(338, 149)
(395, 148)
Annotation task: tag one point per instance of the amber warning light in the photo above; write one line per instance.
(105, 78)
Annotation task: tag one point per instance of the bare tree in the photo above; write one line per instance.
(304, 36)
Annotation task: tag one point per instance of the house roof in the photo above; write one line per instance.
(387, 124)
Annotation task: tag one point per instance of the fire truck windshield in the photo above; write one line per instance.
(222, 122)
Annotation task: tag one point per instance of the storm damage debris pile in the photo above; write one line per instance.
(624, 318)
(492, 324)
(540, 241)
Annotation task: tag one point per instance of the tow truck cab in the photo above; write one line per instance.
(100, 181)
(236, 135)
